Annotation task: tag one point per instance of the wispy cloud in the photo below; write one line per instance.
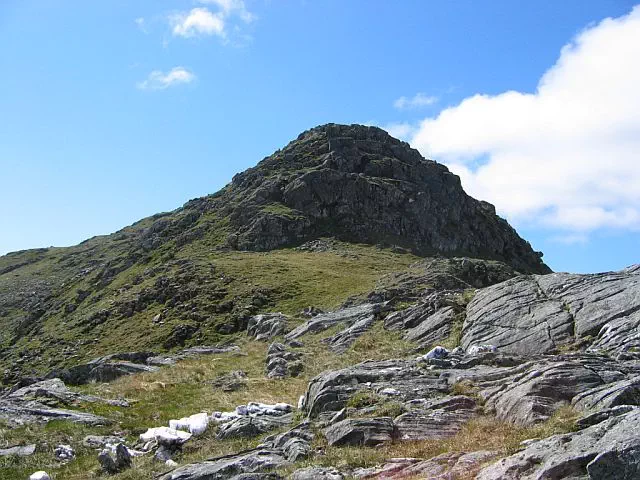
(232, 7)
(158, 80)
(142, 24)
(417, 101)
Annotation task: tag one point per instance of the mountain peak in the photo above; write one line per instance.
(358, 183)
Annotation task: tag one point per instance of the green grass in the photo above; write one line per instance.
(284, 280)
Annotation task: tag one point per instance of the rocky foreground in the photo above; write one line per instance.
(529, 347)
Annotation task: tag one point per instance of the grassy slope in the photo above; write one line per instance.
(206, 279)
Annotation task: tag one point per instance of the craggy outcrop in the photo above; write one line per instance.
(359, 184)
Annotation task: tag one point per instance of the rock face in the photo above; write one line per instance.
(536, 314)
(330, 391)
(360, 184)
(435, 420)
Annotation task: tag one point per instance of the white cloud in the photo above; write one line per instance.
(158, 80)
(566, 156)
(232, 7)
(417, 101)
(198, 21)
(201, 21)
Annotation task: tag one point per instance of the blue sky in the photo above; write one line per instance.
(113, 111)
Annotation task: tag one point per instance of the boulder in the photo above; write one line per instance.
(231, 382)
(64, 452)
(295, 443)
(282, 362)
(17, 413)
(40, 476)
(101, 441)
(330, 391)
(103, 369)
(54, 392)
(267, 326)
(165, 436)
(360, 431)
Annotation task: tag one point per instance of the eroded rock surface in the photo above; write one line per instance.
(606, 451)
(346, 316)
(283, 362)
(539, 313)
(274, 452)
(267, 326)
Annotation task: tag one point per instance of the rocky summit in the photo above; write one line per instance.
(359, 184)
(341, 310)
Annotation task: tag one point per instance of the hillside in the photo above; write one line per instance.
(341, 310)
(352, 183)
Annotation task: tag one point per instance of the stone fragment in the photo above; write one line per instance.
(18, 451)
(248, 426)
(40, 476)
(64, 452)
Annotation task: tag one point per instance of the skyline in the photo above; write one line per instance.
(164, 101)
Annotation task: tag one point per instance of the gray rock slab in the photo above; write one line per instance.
(229, 466)
(360, 431)
(266, 326)
(609, 450)
(347, 316)
(18, 451)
